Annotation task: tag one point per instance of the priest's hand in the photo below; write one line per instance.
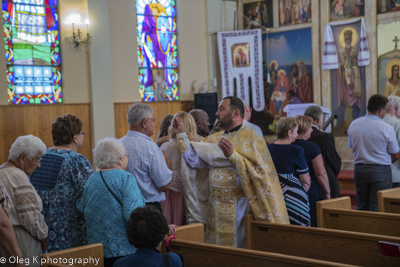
(177, 125)
(226, 147)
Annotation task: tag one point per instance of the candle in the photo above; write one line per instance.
(215, 82)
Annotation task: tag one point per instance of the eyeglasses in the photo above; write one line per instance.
(38, 160)
(82, 133)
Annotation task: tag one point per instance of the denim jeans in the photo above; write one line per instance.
(369, 179)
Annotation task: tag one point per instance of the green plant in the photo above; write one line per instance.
(272, 126)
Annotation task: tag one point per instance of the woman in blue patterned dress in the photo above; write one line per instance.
(291, 166)
(315, 163)
(60, 182)
(109, 198)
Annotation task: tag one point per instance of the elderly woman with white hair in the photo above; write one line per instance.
(24, 203)
(392, 117)
(109, 198)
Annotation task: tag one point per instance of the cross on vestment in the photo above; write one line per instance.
(395, 40)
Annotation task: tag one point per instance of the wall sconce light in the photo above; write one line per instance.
(78, 38)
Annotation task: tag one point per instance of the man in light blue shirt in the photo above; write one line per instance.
(145, 159)
(375, 148)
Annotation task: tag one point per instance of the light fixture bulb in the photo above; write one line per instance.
(87, 21)
(77, 18)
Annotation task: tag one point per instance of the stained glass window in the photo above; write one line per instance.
(32, 44)
(157, 50)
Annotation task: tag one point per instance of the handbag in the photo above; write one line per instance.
(110, 189)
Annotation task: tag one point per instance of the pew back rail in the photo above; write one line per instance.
(92, 253)
(389, 200)
(337, 214)
(200, 254)
(319, 243)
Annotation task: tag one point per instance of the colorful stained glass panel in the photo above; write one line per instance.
(157, 50)
(32, 51)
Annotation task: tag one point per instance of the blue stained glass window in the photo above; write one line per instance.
(157, 50)
(32, 51)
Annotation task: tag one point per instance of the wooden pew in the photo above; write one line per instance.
(337, 214)
(318, 243)
(389, 200)
(192, 232)
(92, 252)
(200, 254)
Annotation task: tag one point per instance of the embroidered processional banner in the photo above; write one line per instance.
(346, 53)
(330, 59)
(240, 55)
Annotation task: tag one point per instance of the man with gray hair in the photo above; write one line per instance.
(326, 144)
(247, 116)
(146, 161)
(391, 117)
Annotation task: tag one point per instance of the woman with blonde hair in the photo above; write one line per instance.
(291, 166)
(174, 206)
(315, 163)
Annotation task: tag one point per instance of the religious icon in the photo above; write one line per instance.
(385, 6)
(294, 12)
(341, 9)
(290, 74)
(258, 15)
(388, 71)
(348, 81)
(240, 55)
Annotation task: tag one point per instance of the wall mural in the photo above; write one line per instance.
(389, 59)
(385, 6)
(341, 9)
(289, 65)
(258, 15)
(294, 12)
(348, 82)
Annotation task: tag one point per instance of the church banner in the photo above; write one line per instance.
(348, 78)
(240, 55)
(357, 42)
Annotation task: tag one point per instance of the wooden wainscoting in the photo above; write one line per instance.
(37, 120)
(160, 110)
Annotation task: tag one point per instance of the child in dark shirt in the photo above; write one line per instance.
(146, 230)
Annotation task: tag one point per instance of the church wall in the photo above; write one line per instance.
(37, 120)
(385, 36)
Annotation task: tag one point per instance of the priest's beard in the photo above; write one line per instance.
(226, 122)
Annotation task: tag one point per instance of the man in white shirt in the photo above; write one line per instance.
(391, 118)
(247, 116)
(375, 148)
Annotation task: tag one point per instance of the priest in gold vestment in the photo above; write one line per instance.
(242, 176)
